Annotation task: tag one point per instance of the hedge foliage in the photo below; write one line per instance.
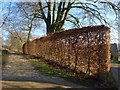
(85, 51)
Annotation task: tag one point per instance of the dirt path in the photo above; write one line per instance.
(19, 70)
(115, 69)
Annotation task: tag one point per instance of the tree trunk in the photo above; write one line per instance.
(49, 28)
(29, 35)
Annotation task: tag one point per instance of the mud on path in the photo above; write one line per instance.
(19, 73)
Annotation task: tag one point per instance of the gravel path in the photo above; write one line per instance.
(19, 70)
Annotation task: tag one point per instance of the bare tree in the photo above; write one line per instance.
(13, 41)
(18, 20)
(29, 19)
(5, 16)
(55, 13)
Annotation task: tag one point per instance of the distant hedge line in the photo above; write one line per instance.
(85, 51)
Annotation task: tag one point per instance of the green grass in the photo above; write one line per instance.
(51, 71)
(115, 61)
(5, 55)
(46, 69)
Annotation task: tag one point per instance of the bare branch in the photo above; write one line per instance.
(42, 12)
(92, 11)
(77, 23)
(6, 16)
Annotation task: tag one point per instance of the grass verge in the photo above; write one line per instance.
(45, 69)
(115, 61)
(108, 82)
(5, 55)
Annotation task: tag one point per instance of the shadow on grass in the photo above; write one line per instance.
(52, 69)
(115, 70)
(29, 78)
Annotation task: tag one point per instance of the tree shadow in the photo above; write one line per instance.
(115, 70)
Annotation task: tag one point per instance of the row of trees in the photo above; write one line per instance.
(24, 17)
